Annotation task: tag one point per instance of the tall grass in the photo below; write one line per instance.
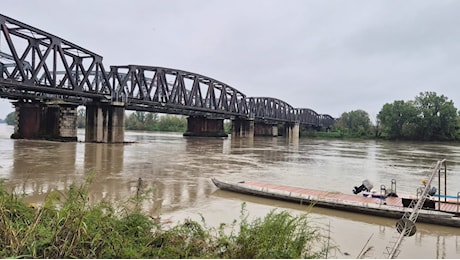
(66, 226)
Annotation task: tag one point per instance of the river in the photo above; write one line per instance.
(178, 170)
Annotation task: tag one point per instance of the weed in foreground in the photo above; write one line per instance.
(66, 226)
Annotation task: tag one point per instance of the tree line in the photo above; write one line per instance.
(429, 117)
(146, 121)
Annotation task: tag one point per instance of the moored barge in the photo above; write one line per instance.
(445, 214)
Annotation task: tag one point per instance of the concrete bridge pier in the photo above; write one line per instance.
(205, 127)
(292, 130)
(105, 123)
(262, 129)
(243, 128)
(50, 121)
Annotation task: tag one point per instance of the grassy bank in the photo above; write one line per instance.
(66, 226)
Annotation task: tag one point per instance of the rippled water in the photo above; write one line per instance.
(179, 170)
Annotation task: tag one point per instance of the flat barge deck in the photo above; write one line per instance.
(446, 213)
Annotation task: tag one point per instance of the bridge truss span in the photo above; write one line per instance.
(32, 62)
(308, 116)
(326, 120)
(271, 110)
(160, 89)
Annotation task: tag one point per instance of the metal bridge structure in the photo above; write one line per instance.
(36, 66)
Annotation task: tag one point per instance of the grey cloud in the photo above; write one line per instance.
(330, 56)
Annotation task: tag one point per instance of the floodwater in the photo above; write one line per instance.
(178, 169)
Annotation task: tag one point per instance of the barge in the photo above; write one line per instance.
(445, 213)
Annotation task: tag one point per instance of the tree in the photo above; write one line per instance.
(428, 117)
(137, 121)
(152, 122)
(356, 122)
(397, 120)
(437, 117)
(81, 118)
(172, 123)
(10, 118)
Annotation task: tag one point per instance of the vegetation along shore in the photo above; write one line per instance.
(68, 226)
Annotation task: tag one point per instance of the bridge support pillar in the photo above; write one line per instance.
(105, 123)
(292, 130)
(205, 127)
(243, 128)
(50, 121)
(262, 129)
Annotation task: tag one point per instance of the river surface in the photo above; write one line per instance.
(178, 169)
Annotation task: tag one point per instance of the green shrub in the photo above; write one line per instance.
(277, 235)
(66, 226)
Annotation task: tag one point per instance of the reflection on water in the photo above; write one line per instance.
(178, 169)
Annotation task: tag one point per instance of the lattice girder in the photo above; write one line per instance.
(171, 87)
(36, 60)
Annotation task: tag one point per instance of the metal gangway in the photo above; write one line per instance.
(406, 225)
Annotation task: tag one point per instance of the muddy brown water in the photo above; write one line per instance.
(178, 169)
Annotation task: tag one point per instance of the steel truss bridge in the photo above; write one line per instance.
(39, 66)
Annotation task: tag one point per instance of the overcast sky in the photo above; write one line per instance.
(330, 56)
